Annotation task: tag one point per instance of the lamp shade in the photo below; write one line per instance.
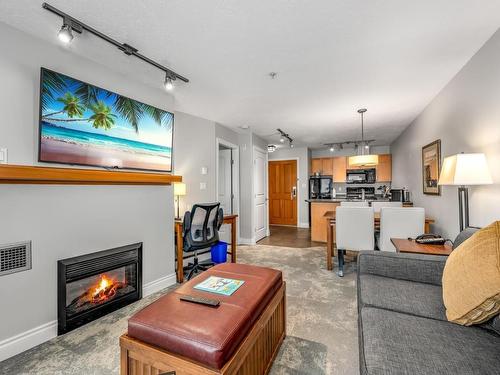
(363, 160)
(179, 188)
(465, 169)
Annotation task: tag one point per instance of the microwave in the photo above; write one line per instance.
(361, 176)
(400, 195)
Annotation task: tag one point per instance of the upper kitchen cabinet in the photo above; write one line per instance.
(339, 168)
(316, 165)
(322, 166)
(384, 168)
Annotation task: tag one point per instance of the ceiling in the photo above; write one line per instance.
(332, 56)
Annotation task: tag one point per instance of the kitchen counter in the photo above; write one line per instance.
(344, 199)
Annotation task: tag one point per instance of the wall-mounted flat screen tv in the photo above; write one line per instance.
(83, 124)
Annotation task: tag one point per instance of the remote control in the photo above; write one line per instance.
(201, 300)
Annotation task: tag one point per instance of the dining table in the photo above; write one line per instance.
(330, 217)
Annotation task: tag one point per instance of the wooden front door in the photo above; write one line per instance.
(283, 192)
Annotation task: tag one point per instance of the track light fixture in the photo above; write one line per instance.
(169, 83)
(71, 25)
(285, 137)
(65, 35)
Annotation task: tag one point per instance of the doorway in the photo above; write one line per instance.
(227, 184)
(283, 192)
(259, 191)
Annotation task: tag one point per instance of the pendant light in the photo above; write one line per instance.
(363, 157)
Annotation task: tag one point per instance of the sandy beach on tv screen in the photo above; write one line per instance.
(62, 152)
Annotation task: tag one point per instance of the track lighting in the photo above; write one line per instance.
(169, 84)
(271, 148)
(284, 137)
(65, 35)
(72, 25)
(332, 148)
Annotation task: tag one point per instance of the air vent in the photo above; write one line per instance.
(15, 258)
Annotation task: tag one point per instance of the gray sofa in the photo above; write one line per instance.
(402, 322)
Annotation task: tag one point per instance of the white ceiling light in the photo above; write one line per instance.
(169, 84)
(363, 159)
(282, 140)
(271, 148)
(65, 35)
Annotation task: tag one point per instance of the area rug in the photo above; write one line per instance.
(321, 324)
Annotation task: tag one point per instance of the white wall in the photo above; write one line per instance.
(195, 148)
(65, 221)
(302, 154)
(465, 115)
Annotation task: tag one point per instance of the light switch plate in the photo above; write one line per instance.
(3, 156)
(203, 186)
(204, 170)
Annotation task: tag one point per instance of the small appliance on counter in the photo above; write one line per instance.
(361, 176)
(400, 195)
(320, 187)
(360, 192)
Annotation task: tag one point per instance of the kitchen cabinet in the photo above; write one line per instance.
(384, 168)
(339, 168)
(327, 166)
(316, 165)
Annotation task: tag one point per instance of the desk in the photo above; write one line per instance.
(404, 245)
(330, 239)
(228, 219)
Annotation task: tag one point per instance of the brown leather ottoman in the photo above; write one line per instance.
(241, 336)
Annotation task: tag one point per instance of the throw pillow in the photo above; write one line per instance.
(471, 278)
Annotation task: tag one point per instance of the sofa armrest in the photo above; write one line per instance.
(412, 267)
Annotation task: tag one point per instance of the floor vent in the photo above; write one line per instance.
(15, 257)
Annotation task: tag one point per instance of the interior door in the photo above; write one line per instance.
(259, 189)
(283, 192)
(225, 191)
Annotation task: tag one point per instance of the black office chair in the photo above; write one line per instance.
(201, 230)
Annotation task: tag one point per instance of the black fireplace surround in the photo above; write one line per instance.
(92, 285)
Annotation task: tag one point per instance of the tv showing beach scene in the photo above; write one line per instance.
(83, 124)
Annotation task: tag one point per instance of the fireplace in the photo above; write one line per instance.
(90, 286)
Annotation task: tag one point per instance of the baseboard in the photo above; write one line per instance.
(303, 225)
(158, 284)
(247, 241)
(38, 335)
(28, 339)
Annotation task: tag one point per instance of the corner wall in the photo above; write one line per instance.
(465, 115)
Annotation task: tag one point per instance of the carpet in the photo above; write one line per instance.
(321, 324)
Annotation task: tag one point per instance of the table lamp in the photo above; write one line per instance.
(179, 190)
(464, 170)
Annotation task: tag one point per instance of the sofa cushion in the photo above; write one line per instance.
(471, 278)
(396, 343)
(400, 295)
(493, 324)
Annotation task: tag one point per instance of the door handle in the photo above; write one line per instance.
(294, 192)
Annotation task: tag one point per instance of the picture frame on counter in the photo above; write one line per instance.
(431, 167)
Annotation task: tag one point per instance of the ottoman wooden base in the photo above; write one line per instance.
(254, 356)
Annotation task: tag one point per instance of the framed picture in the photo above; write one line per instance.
(431, 166)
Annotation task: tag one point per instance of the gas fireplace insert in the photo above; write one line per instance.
(92, 285)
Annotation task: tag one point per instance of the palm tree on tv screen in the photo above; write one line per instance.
(80, 96)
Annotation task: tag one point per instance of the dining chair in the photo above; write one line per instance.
(354, 204)
(378, 205)
(354, 231)
(401, 222)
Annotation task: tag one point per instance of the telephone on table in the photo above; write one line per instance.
(430, 239)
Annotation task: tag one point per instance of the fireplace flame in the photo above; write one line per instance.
(106, 288)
